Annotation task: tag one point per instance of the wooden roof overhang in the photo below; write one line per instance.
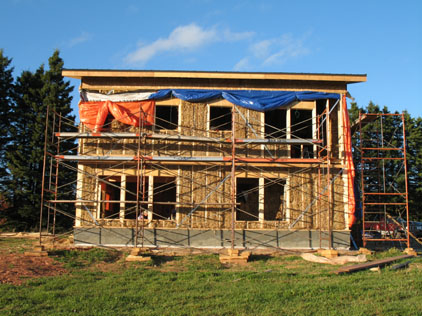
(147, 80)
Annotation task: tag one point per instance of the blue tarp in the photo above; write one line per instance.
(257, 100)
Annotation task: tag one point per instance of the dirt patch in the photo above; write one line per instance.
(16, 268)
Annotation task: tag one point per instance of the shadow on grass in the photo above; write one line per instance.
(160, 259)
(262, 258)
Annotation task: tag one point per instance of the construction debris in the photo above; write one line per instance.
(235, 257)
(138, 255)
(38, 251)
(336, 260)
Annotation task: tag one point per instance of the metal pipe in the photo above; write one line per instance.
(57, 178)
(405, 179)
(233, 179)
(43, 169)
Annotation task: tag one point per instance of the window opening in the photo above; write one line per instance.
(110, 192)
(166, 117)
(275, 124)
(220, 118)
(164, 191)
(301, 127)
(274, 208)
(321, 106)
(130, 211)
(247, 196)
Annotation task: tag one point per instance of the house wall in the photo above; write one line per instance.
(301, 200)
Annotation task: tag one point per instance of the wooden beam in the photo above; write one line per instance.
(376, 263)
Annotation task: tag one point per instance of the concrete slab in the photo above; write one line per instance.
(208, 238)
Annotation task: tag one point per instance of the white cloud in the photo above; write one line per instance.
(273, 51)
(184, 38)
(242, 65)
(262, 48)
(286, 48)
(233, 36)
(84, 37)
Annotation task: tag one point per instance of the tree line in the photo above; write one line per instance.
(23, 104)
(389, 173)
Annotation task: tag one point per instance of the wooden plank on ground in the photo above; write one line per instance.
(376, 263)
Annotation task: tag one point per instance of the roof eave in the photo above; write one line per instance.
(81, 73)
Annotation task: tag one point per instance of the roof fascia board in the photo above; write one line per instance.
(81, 73)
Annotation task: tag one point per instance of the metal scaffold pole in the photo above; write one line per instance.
(56, 184)
(233, 180)
(405, 180)
(43, 170)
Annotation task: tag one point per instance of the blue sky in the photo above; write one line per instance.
(382, 39)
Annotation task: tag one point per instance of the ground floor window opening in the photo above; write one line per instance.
(274, 208)
(164, 192)
(248, 197)
(110, 191)
(130, 210)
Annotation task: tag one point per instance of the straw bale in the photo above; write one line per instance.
(296, 204)
(275, 224)
(88, 193)
(338, 197)
(240, 225)
(199, 191)
(185, 192)
(314, 198)
(187, 118)
(166, 223)
(307, 197)
(201, 126)
(254, 131)
(213, 212)
(241, 129)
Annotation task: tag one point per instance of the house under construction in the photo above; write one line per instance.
(211, 159)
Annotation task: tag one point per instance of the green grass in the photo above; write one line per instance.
(84, 258)
(16, 245)
(200, 285)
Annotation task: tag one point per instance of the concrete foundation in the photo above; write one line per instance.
(206, 238)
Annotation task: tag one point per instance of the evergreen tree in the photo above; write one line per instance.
(394, 172)
(6, 108)
(25, 151)
(33, 93)
(414, 164)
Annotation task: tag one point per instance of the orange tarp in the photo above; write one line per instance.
(350, 168)
(94, 114)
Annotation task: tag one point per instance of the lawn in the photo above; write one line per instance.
(100, 282)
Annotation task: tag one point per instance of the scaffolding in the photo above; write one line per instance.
(234, 172)
(385, 206)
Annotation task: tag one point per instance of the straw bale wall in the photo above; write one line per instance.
(195, 181)
(88, 193)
